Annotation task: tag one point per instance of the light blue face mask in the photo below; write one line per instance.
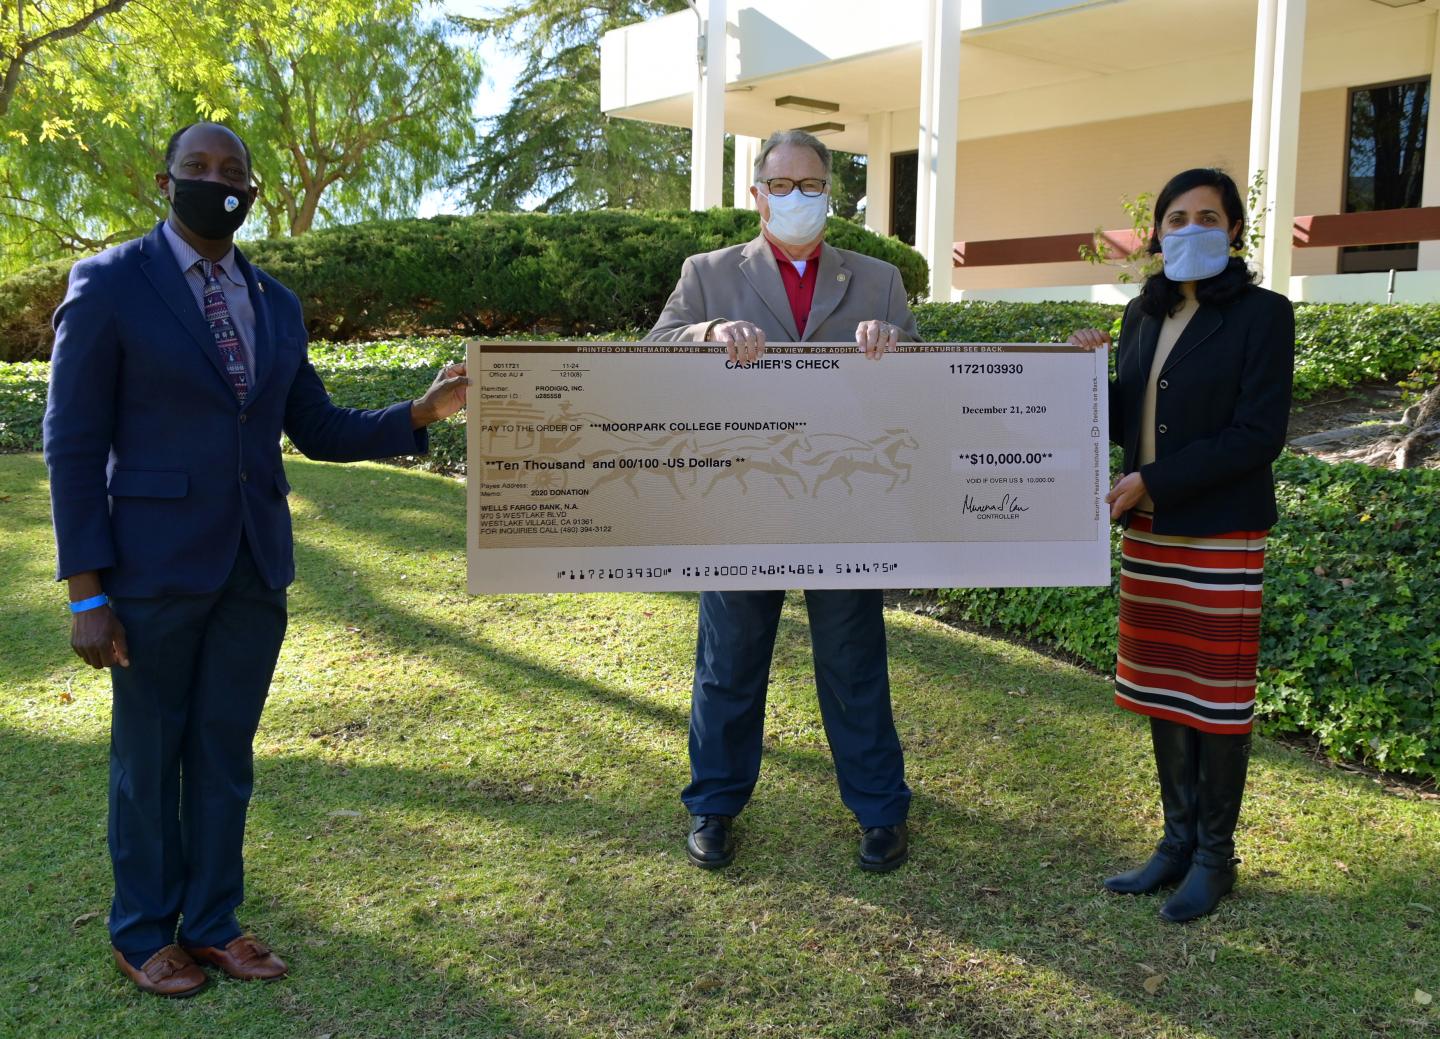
(1194, 253)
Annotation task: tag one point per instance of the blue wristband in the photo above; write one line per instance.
(89, 604)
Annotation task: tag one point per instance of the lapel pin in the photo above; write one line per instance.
(839, 277)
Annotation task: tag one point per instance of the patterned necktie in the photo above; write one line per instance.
(217, 315)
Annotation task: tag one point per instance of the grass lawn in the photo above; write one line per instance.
(466, 823)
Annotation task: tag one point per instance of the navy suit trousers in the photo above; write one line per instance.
(184, 718)
(732, 673)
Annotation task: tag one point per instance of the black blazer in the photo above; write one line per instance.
(1221, 410)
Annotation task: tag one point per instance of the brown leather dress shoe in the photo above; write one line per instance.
(245, 958)
(170, 972)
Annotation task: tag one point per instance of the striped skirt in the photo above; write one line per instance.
(1190, 626)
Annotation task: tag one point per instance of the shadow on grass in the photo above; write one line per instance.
(467, 898)
(449, 862)
(1054, 840)
(59, 979)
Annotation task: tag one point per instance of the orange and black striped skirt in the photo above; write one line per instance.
(1190, 626)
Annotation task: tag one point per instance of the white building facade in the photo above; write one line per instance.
(1000, 134)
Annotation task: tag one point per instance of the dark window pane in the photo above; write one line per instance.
(904, 172)
(1363, 259)
(1384, 163)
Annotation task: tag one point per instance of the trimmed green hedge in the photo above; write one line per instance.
(1350, 641)
(23, 388)
(1343, 344)
(568, 273)
(576, 273)
(1337, 345)
(985, 322)
(27, 301)
(372, 375)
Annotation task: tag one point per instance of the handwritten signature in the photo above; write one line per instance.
(1008, 506)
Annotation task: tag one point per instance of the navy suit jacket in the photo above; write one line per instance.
(1221, 411)
(155, 468)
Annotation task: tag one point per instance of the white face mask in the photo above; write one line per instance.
(1194, 253)
(796, 218)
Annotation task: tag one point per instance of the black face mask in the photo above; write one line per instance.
(211, 210)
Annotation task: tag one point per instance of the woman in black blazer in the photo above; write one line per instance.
(1199, 403)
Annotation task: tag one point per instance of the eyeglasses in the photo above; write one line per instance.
(782, 186)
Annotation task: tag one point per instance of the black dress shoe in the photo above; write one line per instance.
(883, 848)
(711, 845)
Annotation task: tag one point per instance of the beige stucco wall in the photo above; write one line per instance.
(1071, 179)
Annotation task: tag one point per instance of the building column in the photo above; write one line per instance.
(707, 133)
(1430, 178)
(1283, 146)
(939, 138)
(1260, 108)
(877, 173)
(747, 149)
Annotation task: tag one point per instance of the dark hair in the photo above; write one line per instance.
(173, 145)
(1160, 296)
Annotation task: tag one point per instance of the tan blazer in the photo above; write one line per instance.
(742, 283)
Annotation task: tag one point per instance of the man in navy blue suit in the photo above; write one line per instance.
(176, 367)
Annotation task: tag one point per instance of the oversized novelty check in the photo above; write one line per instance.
(643, 466)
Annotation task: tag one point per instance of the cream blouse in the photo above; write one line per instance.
(1169, 335)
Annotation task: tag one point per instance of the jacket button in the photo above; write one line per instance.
(1162, 428)
(245, 476)
(1163, 385)
(243, 418)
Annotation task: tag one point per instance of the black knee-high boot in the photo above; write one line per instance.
(1224, 761)
(1176, 763)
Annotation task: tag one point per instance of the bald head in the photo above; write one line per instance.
(211, 140)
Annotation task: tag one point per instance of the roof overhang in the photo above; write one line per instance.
(1025, 64)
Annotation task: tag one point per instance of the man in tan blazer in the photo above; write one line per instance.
(737, 296)
(787, 286)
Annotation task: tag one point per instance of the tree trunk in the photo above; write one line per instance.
(1424, 422)
(305, 215)
(1410, 442)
